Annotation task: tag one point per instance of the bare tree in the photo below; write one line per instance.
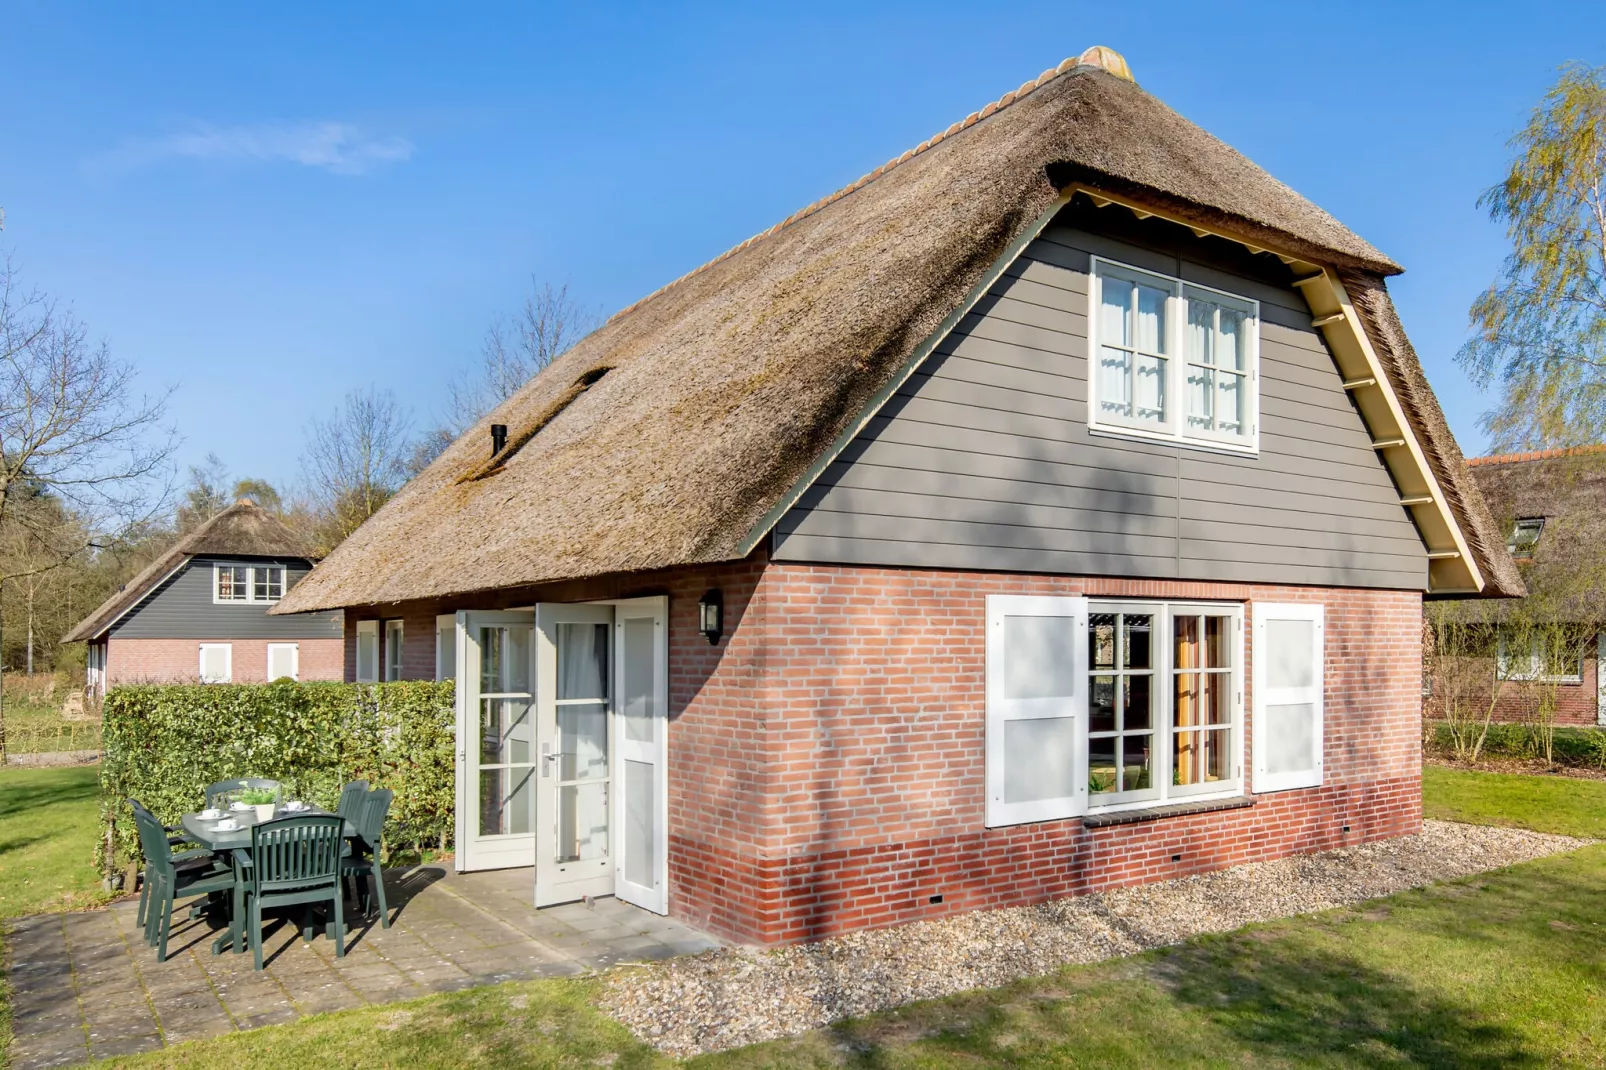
(355, 461)
(73, 426)
(206, 496)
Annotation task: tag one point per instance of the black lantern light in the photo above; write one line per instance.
(711, 615)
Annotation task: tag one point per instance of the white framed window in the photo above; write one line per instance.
(1288, 657)
(446, 646)
(247, 583)
(393, 650)
(367, 651)
(1145, 700)
(284, 660)
(216, 663)
(1525, 537)
(1172, 360)
(1549, 657)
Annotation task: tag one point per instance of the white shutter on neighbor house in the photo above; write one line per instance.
(367, 651)
(283, 661)
(216, 663)
(446, 646)
(1288, 655)
(1036, 708)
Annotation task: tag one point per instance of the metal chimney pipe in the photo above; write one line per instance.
(498, 438)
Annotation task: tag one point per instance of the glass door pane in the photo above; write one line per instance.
(582, 740)
(507, 732)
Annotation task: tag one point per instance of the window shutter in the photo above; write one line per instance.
(367, 651)
(1036, 708)
(446, 646)
(1287, 727)
(282, 661)
(215, 663)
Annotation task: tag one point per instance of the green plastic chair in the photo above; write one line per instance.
(169, 882)
(222, 793)
(352, 797)
(192, 859)
(370, 825)
(295, 861)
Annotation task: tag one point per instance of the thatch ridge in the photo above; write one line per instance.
(244, 529)
(730, 382)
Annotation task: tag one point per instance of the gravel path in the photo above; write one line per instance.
(735, 996)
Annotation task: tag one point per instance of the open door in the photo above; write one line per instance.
(574, 662)
(641, 732)
(496, 738)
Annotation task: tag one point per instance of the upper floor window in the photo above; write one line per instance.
(1525, 537)
(247, 583)
(1172, 359)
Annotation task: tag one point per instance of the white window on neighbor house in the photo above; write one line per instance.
(1289, 649)
(1525, 537)
(217, 663)
(446, 646)
(1100, 706)
(247, 583)
(367, 651)
(284, 661)
(393, 650)
(1544, 655)
(1172, 360)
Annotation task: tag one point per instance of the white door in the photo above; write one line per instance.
(573, 852)
(496, 738)
(641, 741)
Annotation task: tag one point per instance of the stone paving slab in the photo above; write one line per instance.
(85, 985)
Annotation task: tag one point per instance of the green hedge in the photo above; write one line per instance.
(163, 744)
(1573, 746)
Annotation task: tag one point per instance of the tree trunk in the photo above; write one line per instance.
(30, 627)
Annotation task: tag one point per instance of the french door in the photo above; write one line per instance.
(641, 734)
(496, 740)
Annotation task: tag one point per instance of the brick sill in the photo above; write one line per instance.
(1128, 817)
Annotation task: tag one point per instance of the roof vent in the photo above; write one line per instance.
(498, 438)
(1108, 59)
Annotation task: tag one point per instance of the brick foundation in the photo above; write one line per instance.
(172, 661)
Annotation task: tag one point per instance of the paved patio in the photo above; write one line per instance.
(85, 986)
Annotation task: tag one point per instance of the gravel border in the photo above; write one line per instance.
(738, 996)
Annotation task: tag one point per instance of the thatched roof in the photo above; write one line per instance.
(1567, 487)
(244, 530)
(666, 436)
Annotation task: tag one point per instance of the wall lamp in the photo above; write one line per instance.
(711, 615)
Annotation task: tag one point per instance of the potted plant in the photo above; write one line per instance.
(262, 800)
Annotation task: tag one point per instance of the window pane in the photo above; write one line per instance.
(1137, 758)
(507, 732)
(1151, 320)
(1037, 657)
(1232, 348)
(1115, 382)
(1201, 395)
(1218, 642)
(1217, 698)
(1139, 703)
(1201, 331)
(1288, 651)
(1290, 738)
(1101, 705)
(1039, 759)
(1229, 403)
(1186, 632)
(1101, 778)
(1202, 698)
(1138, 642)
(506, 802)
(1188, 700)
(582, 661)
(1148, 389)
(1115, 315)
(583, 741)
(1201, 757)
(1101, 641)
(582, 822)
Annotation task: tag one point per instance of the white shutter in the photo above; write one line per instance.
(1036, 708)
(216, 663)
(1287, 726)
(446, 646)
(367, 651)
(283, 661)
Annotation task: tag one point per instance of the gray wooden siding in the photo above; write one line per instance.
(182, 608)
(984, 460)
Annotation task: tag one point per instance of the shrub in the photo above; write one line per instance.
(163, 744)
(1572, 746)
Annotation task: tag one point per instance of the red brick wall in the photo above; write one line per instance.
(1576, 704)
(131, 661)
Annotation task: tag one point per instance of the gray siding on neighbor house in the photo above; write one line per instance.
(181, 607)
(984, 459)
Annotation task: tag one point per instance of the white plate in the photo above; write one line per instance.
(227, 825)
(211, 814)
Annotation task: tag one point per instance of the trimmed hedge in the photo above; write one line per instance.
(1573, 746)
(163, 744)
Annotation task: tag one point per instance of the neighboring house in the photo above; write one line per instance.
(1552, 506)
(1049, 510)
(200, 612)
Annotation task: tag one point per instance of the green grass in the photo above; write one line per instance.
(37, 729)
(1568, 806)
(1501, 970)
(49, 819)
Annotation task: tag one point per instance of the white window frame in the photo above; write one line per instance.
(295, 661)
(446, 646)
(1175, 428)
(228, 663)
(392, 650)
(367, 661)
(1535, 671)
(250, 585)
(1516, 547)
(1265, 695)
(1078, 800)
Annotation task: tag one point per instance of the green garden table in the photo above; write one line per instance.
(237, 844)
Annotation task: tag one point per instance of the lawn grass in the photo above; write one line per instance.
(1568, 806)
(1496, 970)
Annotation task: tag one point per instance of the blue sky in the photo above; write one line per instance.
(265, 212)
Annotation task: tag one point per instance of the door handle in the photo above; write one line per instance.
(546, 759)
